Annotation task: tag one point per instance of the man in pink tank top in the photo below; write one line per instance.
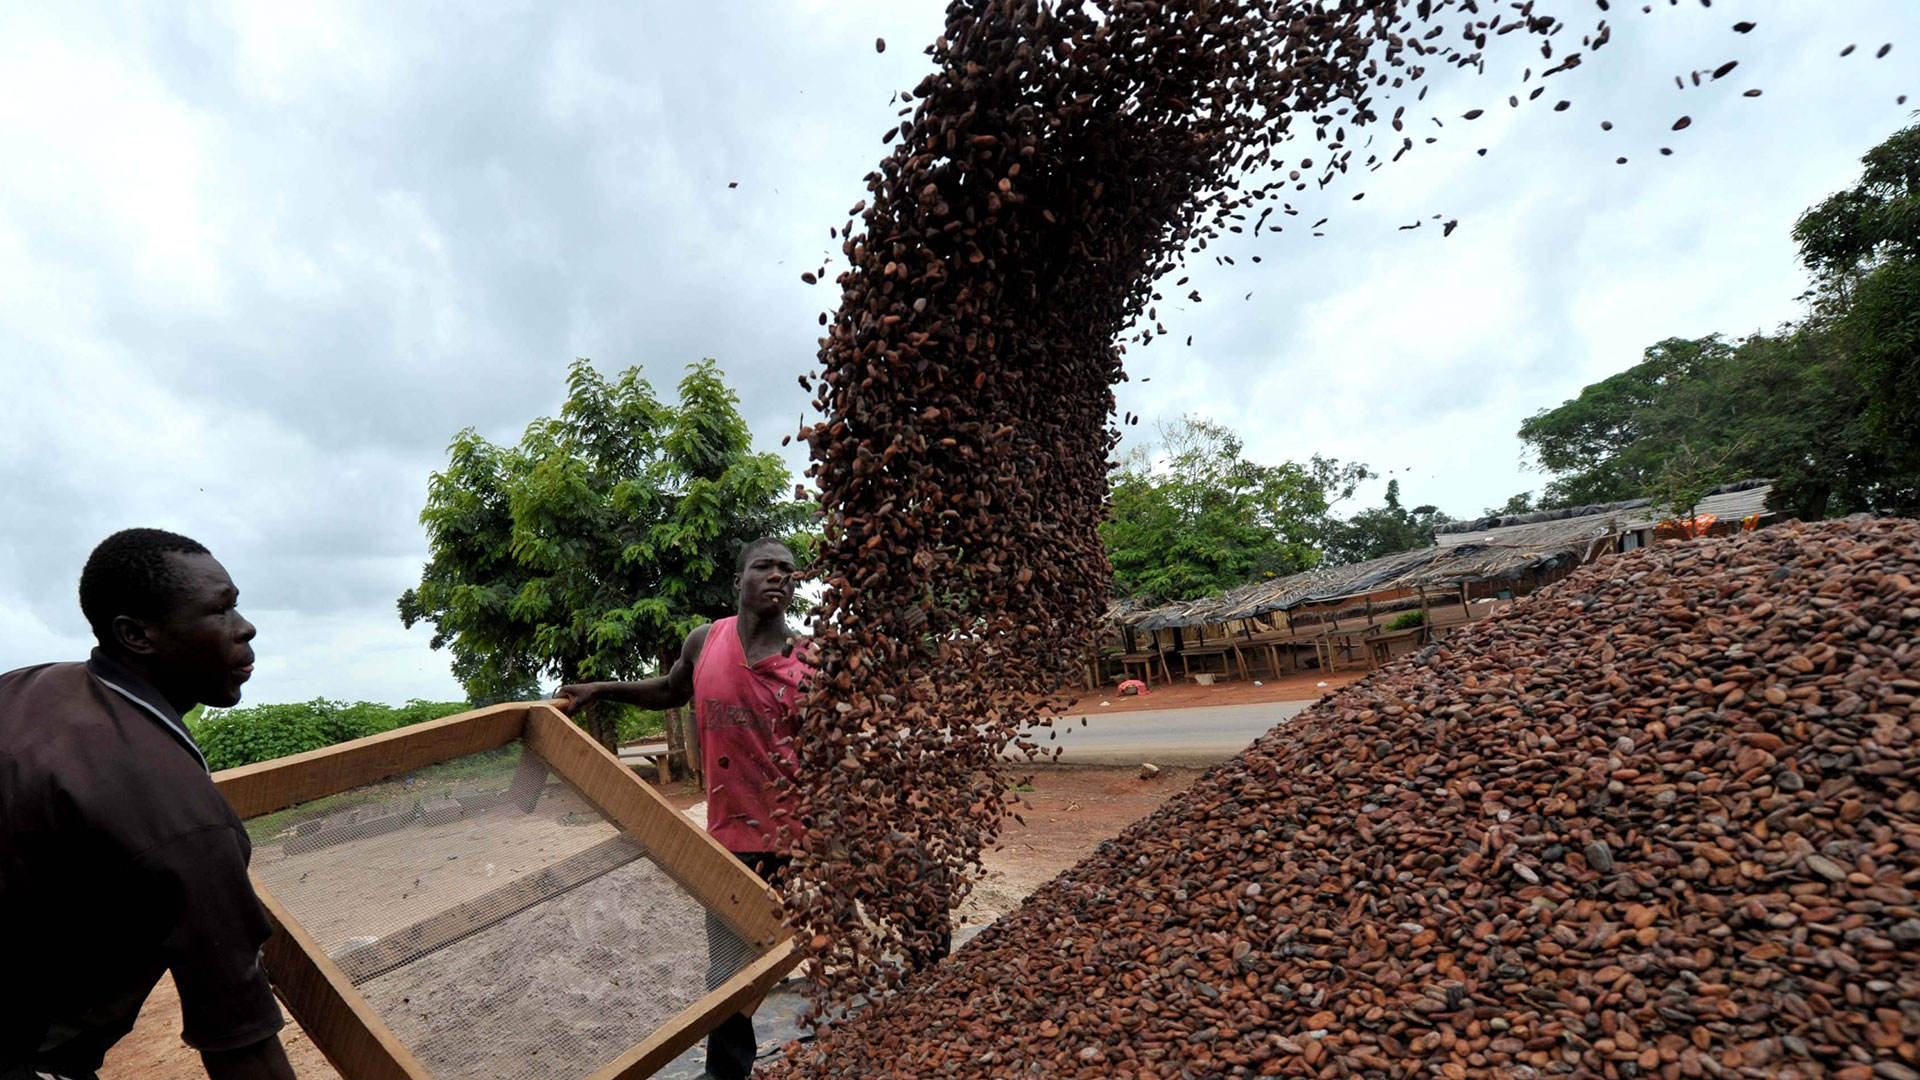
(745, 679)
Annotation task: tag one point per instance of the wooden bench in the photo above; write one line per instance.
(1279, 647)
(1380, 646)
(1226, 649)
(647, 754)
(1146, 661)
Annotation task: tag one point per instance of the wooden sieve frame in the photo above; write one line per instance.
(322, 997)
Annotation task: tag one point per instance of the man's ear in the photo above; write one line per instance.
(132, 635)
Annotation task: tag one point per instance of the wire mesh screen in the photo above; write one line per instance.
(496, 921)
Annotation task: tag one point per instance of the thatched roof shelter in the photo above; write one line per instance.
(1509, 548)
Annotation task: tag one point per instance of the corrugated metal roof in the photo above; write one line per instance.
(1731, 506)
(1587, 527)
(1555, 539)
(1612, 519)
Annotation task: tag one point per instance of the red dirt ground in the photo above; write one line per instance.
(1305, 686)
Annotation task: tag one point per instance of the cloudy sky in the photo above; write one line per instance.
(259, 263)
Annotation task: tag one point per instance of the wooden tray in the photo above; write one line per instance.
(321, 993)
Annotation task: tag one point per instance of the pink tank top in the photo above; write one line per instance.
(748, 718)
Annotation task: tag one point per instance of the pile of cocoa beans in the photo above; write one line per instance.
(1042, 186)
(1659, 819)
(1058, 161)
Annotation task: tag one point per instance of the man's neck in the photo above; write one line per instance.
(760, 633)
(136, 666)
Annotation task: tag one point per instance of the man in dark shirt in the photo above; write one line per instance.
(119, 859)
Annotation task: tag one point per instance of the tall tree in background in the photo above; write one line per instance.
(1828, 407)
(1383, 530)
(592, 548)
(1863, 246)
(1192, 517)
(1608, 443)
(1785, 406)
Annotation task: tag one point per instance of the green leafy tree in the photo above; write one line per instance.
(1515, 504)
(1192, 516)
(1687, 476)
(1785, 406)
(592, 548)
(1863, 246)
(1828, 406)
(1607, 444)
(1383, 530)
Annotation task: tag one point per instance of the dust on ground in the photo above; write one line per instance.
(559, 989)
(1299, 686)
(1073, 809)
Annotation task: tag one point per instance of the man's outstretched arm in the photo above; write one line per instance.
(669, 691)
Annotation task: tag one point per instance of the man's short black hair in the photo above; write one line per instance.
(130, 574)
(746, 553)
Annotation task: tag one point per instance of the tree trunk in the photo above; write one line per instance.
(683, 753)
(1815, 502)
(696, 763)
(676, 744)
(603, 727)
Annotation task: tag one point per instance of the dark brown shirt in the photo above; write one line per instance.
(119, 860)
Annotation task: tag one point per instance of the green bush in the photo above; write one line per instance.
(234, 737)
(1407, 620)
(635, 723)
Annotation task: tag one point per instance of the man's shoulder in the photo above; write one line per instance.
(696, 645)
(41, 676)
(30, 697)
(91, 751)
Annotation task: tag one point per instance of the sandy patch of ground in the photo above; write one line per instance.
(1072, 811)
(373, 886)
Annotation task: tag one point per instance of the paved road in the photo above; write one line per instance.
(1202, 736)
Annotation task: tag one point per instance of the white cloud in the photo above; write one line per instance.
(259, 263)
